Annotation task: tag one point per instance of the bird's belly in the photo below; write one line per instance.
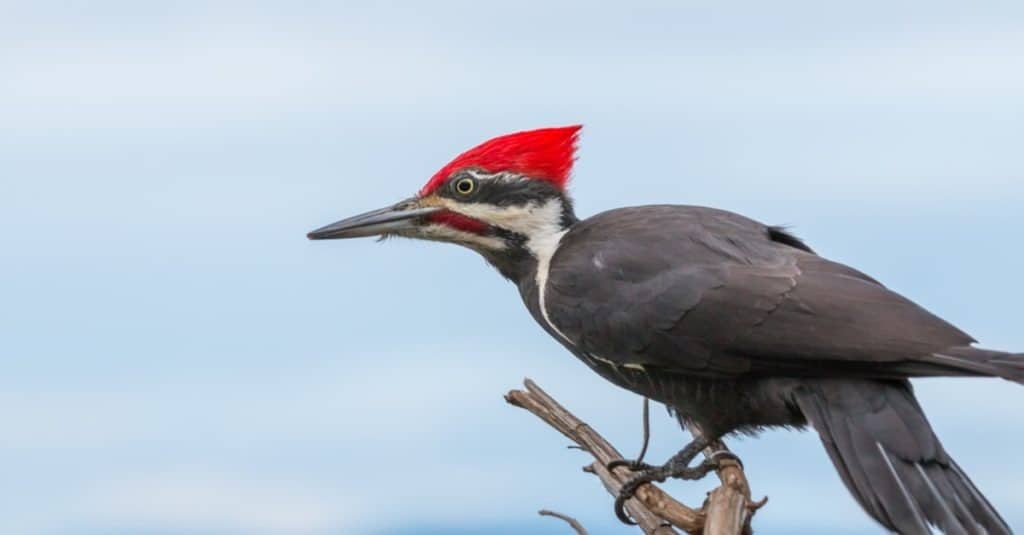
(718, 405)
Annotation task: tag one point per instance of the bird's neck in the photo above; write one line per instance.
(532, 240)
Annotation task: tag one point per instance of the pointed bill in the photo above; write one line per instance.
(404, 216)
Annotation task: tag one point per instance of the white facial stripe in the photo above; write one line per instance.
(531, 220)
(542, 226)
(443, 232)
(540, 223)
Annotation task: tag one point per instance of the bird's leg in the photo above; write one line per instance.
(676, 467)
(638, 463)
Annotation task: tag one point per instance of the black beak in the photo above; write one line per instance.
(403, 216)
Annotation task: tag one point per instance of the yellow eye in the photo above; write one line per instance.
(465, 186)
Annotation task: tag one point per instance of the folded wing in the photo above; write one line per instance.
(709, 292)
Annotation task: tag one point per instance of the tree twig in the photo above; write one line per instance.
(654, 511)
(573, 523)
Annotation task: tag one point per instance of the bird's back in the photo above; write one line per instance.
(714, 293)
(739, 326)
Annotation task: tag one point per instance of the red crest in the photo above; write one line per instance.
(543, 154)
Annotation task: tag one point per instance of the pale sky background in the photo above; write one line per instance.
(175, 357)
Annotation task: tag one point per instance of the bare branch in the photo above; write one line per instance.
(654, 511)
(728, 509)
(572, 521)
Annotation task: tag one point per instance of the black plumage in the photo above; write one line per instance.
(734, 325)
(739, 326)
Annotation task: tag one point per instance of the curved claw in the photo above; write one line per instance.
(617, 463)
(629, 489)
(620, 510)
(676, 467)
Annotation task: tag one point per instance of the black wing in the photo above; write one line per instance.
(711, 292)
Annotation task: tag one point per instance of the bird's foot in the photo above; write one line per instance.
(677, 467)
(674, 468)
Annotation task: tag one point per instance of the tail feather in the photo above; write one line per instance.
(1009, 366)
(891, 461)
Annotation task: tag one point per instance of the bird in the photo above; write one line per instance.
(734, 325)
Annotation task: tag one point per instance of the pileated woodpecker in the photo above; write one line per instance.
(734, 325)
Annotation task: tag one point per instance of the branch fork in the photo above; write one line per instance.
(726, 511)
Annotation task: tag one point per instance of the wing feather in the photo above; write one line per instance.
(707, 291)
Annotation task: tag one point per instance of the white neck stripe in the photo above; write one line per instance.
(543, 250)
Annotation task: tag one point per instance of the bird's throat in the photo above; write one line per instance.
(532, 238)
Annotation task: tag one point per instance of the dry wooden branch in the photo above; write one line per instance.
(573, 523)
(726, 512)
(728, 509)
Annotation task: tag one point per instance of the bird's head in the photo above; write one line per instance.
(502, 197)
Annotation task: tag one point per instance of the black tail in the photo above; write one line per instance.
(891, 461)
(977, 361)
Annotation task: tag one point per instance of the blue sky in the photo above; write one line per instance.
(175, 357)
